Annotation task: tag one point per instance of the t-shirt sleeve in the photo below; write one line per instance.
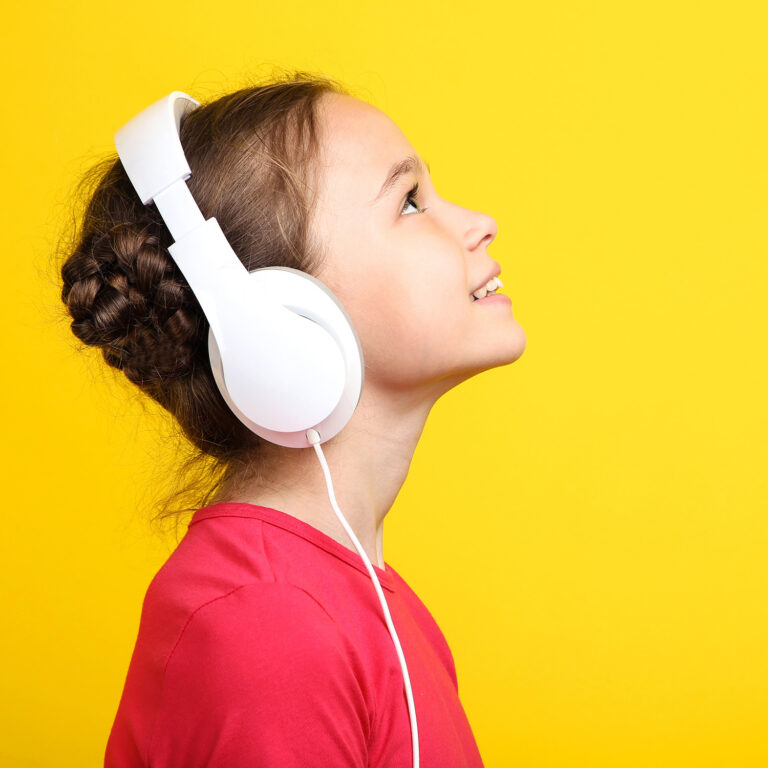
(260, 677)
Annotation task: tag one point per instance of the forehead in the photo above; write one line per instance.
(358, 145)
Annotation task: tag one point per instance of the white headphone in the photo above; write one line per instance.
(283, 350)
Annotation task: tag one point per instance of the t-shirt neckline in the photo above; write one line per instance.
(300, 528)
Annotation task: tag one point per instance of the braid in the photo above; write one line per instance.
(126, 296)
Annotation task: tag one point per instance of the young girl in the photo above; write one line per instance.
(262, 641)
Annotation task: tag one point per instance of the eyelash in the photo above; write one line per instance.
(411, 196)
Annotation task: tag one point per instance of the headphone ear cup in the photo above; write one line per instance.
(309, 298)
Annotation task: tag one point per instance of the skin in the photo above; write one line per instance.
(404, 275)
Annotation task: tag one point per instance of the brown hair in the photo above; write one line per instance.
(252, 154)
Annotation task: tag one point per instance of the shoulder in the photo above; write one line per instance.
(258, 619)
(262, 670)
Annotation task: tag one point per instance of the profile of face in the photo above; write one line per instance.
(405, 264)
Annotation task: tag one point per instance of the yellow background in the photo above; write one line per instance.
(588, 525)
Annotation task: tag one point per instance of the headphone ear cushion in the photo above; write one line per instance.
(310, 298)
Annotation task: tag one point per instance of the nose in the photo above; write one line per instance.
(481, 231)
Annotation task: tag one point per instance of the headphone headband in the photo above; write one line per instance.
(150, 147)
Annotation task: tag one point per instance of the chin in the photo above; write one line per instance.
(506, 346)
(504, 352)
(517, 343)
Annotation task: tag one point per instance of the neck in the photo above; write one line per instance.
(368, 462)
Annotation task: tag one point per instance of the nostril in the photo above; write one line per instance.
(488, 239)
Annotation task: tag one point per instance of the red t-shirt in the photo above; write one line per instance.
(263, 643)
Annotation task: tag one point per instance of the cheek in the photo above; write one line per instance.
(407, 298)
(410, 333)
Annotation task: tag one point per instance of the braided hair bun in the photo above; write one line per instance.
(127, 296)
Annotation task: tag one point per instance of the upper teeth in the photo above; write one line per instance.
(489, 287)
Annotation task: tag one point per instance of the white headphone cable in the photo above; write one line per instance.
(314, 438)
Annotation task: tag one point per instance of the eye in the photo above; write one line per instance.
(410, 199)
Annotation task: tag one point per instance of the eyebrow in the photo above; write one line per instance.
(400, 168)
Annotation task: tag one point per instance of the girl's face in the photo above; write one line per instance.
(405, 263)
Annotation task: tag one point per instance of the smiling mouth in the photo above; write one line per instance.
(487, 290)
